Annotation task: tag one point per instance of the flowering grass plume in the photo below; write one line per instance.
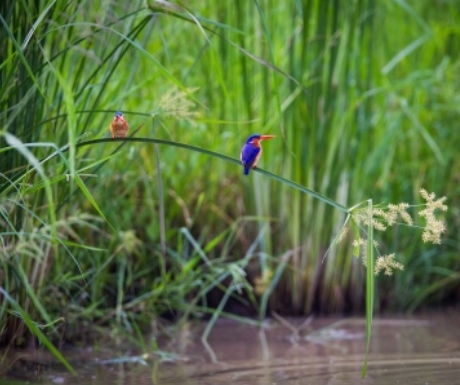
(384, 217)
(434, 227)
(166, 6)
(175, 103)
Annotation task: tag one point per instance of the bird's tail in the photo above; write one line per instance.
(246, 170)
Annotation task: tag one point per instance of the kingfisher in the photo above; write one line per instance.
(119, 126)
(251, 151)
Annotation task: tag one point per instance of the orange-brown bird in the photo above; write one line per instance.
(119, 126)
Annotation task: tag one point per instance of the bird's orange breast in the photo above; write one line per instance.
(119, 128)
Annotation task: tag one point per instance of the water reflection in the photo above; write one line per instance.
(422, 350)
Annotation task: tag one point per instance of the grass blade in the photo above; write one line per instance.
(369, 286)
(36, 331)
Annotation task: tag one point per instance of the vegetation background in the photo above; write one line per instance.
(364, 97)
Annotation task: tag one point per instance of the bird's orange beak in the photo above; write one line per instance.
(262, 137)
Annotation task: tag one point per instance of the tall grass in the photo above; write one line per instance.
(362, 96)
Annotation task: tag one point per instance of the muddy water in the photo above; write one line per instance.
(418, 350)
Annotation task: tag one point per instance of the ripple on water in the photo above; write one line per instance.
(408, 351)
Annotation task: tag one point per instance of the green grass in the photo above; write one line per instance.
(363, 98)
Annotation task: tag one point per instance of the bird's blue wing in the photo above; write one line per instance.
(249, 156)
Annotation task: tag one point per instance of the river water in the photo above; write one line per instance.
(419, 350)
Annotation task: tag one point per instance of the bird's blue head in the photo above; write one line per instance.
(256, 138)
(118, 114)
(253, 137)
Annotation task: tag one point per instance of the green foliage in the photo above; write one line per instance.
(363, 98)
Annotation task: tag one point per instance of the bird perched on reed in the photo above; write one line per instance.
(251, 151)
(119, 126)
